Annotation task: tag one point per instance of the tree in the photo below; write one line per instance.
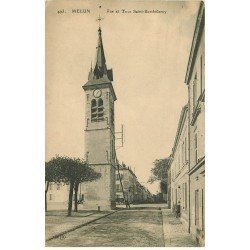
(72, 171)
(47, 181)
(83, 174)
(159, 171)
(50, 176)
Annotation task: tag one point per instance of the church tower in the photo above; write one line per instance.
(100, 132)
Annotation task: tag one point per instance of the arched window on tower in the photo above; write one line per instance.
(97, 110)
(100, 112)
(93, 110)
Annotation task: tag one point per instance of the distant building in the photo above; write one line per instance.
(179, 168)
(134, 191)
(146, 195)
(57, 196)
(195, 80)
(169, 183)
(129, 180)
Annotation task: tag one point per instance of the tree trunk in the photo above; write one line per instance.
(46, 190)
(70, 198)
(76, 193)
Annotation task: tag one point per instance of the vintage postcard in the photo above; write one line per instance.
(125, 123)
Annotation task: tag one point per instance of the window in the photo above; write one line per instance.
(197, 207)
(201, 73)
(100, 102)
(112, 155)
(185, 195)
(202, 209)
(93, 110)
(185, 148)
(121, 176)
(194, 91)
(58, 186)
(118, 187)
(50, 197)
(97, 110)
(196, 148)
(172, 195)
(183, 153)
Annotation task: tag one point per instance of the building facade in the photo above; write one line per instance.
(128, 180)
(187, 167)
(134, 191)
(179, 168)
(57, 196)
(195, 80)
(169, 180)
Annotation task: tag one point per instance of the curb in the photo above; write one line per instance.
(79, 226)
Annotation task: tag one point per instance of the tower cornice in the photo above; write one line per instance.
(99, 83)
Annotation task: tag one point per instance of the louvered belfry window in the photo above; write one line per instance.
(97, 110)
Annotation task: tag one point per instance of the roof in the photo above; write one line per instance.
(124, 167)
(100, 68)
(199, 27)
(99, 83)
(94, 82)
(100, 76)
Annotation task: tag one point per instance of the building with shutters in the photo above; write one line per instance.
(179, 168)
(134, 191)
(195, 81)
(128, 179)
(187, 168)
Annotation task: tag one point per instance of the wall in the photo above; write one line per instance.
(197, 145)
(179, 169)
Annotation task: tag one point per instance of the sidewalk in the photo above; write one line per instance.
(57, 223)
(175, 235)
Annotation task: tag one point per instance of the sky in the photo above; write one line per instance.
(148, 53)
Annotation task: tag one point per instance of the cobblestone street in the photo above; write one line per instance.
(141, 226)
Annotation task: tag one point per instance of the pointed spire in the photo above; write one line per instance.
(100, 67)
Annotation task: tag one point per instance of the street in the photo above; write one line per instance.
(137, 227)
(140, 226)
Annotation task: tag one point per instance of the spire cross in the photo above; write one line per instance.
(99, 19)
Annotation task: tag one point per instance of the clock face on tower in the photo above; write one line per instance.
(97, 93)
